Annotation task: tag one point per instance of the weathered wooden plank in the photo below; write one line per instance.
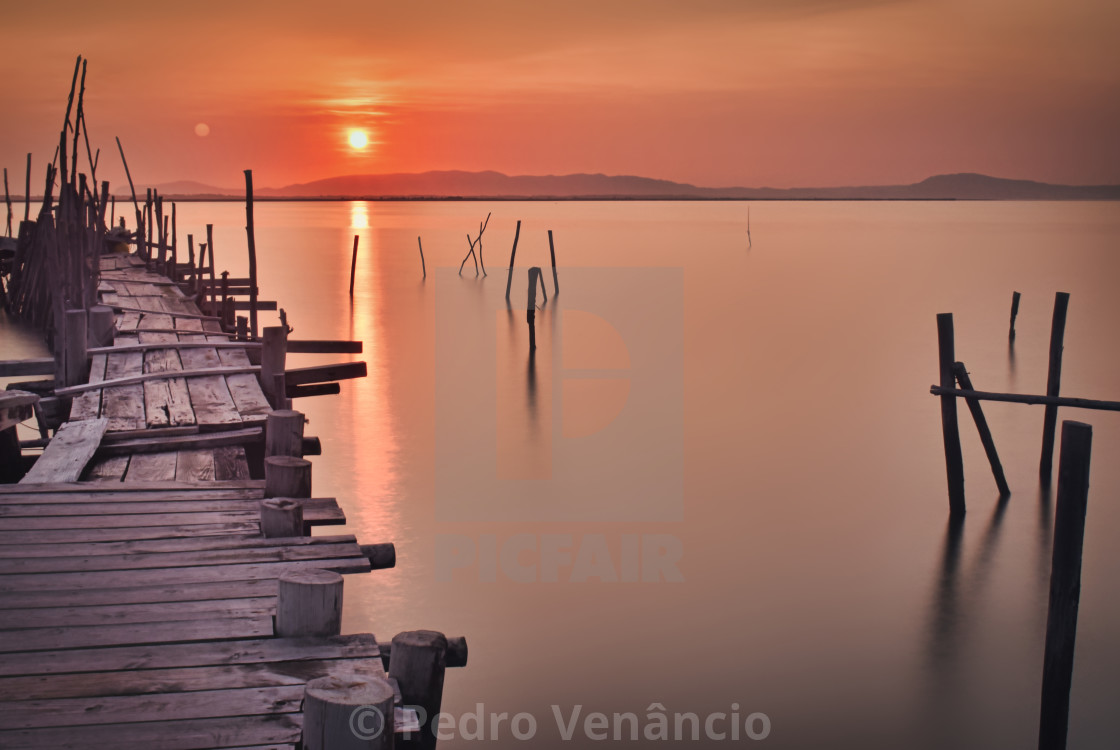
(175, 344)
(124, 405)
(209, 440)
(182, 680)
(245, 389)
(49, 510)
(99, 636)
(66, 455)
(187, 558)
(231, 484)
(166, 402)
(88, 405)
(117, 382)
(120, 614)
(10, 368)
(15, 407)
(195, 465)
(315, 346)
(124, 496)
(190, 655)
(325, 373)
(151, 467)
(165, 576)
(176, 313)
(110, 469)
(140, 594)
(179, 544)
(165, 735)
(127, 521)
(230, 462)
(74, 536)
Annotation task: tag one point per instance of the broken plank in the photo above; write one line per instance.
(207, 440)
(65, 457)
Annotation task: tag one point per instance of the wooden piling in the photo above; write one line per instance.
(75, 366)
(531, 306)
(101, 325)
(281, 517)
(954, 462)
(252, 252)
(1065, 583)
(512, 256)
(309, 603)
(418, 663)
(348, 713)
(27, 191)
(242, 328)
(982, 428)
(287, 476)
(353, 264)
(273, 357)
(284, 433)
(1014, 313)
(1053, 385)
(552, 254)
(210, 269)
(423, 265)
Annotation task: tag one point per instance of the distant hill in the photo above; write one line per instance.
(458, 184)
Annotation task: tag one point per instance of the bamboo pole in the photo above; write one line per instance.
(954, 463)
(1053, 385)
(1065, 584)
(252, 253)
(982, 428)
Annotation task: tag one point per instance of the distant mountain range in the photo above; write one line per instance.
(495, 185)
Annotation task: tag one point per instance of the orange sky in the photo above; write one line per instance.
(712, 92)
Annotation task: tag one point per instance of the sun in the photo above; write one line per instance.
(358, 139)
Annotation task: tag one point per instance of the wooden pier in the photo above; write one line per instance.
(139, 597)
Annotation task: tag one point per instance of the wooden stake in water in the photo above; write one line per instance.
(27, 191)
(423, 266)
(252, 253)
(531, 308)
(552, 254)
(8, 201)
(1053, 385)
(954, 463)
(982, 428)
(1014, 312)
(512, 255)
(353, 264)
(1065, 584)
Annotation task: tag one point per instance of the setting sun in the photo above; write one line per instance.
(358, 139)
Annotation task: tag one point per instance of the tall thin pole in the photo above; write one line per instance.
(1053, 385)
(353, 264)
(512, 255)
(252, 253)
(954, 462)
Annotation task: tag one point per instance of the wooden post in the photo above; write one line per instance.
(380, 556)
(309, 603)
(101, 325)
(190, 259)
(27, 191)
(273, 357)
(418, 663)
(423, 266)
(281, 517)
(252, 252)
(954, 463)
(456, 652)
(1014, 312)
(353, 264)
(210, 270)
(512, 255)
(284, 433)
(74, 358)
(552, 253)
(531, 307)
(1065, 583)
(242, 328)
(348, 713)
(982, 427)
(1053, 385)
(287, 476)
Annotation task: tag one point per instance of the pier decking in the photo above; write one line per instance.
(137, 605)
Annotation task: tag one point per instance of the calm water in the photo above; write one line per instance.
(764, 411)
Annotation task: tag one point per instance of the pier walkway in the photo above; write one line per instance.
(138, 604)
